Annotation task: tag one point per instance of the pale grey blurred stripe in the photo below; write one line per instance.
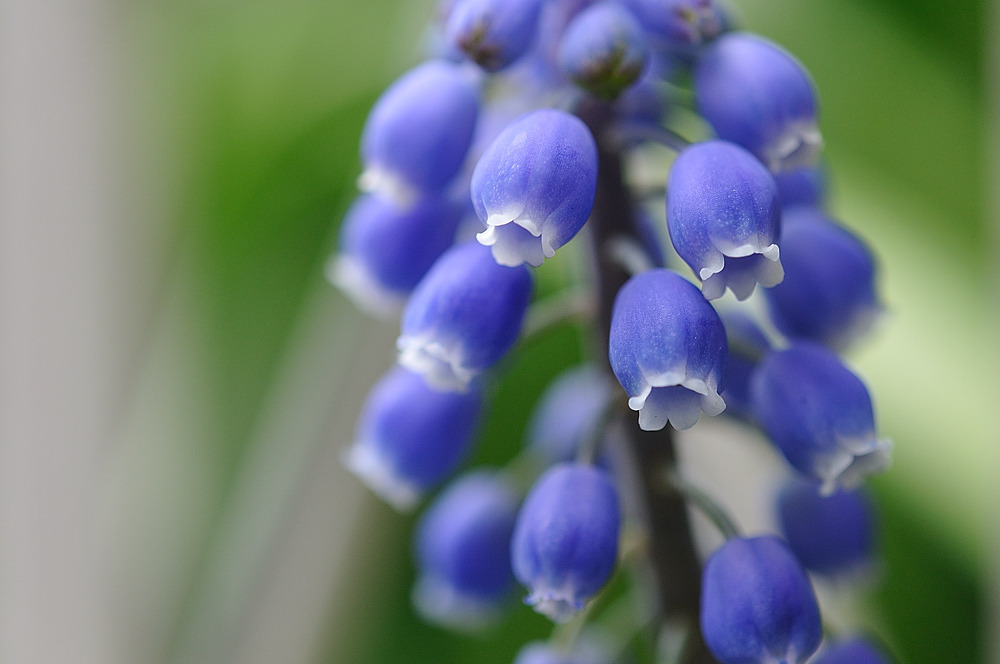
(283, 533)
(62, 328)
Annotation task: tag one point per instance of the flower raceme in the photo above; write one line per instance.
(531, 127)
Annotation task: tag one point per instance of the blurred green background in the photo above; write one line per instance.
(235, 536)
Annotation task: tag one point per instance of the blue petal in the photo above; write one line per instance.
(534, 186)
(463, 547)
(819, 414)
(828, 294)
(385, 250)
(493, 33)
(410, 437)
(417, 134)
(724, 216)
(667, 348)
(567, 413)
(756, 94)
(463, 316)
(757, 604)
(832, 534)
(566, 539)
(604, 49)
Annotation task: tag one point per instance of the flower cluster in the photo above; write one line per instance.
(481, 164)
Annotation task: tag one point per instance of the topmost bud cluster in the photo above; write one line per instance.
(489, 158)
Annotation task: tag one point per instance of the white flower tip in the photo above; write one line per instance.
(854, 460)
(375, 180)
(513, 244)
(354, 279)
(375, 472)
(441, 366)
(799, 146)
(439, 602)
(560, 607)
(741, 275)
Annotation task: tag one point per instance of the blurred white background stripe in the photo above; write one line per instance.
(63, 325)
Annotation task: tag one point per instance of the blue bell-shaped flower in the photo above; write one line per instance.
(757, 605)
(463, 316)
(806, 185)
(819, 414)
(385, 250)
(828, 294)
(493, 33)
(534, 186)
(410, 437)
(832, 534)
(566, 539)
(567, 413)
(604, 49)
(418, 133)
(463, 552)
(667, 348)
(724, 218)
(756, 94)
(678, 25)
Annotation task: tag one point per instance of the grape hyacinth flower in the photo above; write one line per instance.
(757, 604)
(385, 250)
(493, 33)
(541, 117)
(856, 650)
(534, 186)
(568, 412)
(667, 349)
(463, 550)
(802, 186)
(830, 535)
(463, 316)
(418, 133)
(820, 416)
(410, 437)
(604, 50)
(828, 294)
(724, 217)
(755, 94)
(566, 539)
(679, 24)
